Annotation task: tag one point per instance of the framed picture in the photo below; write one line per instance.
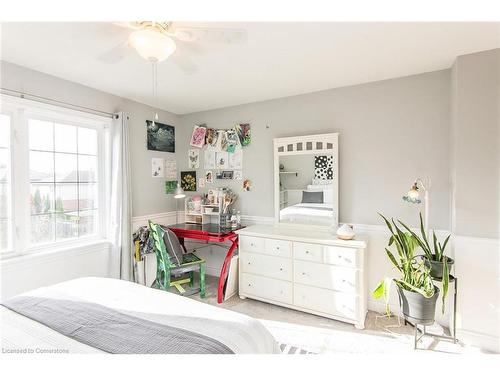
(198, 136)
(157, 167)
(170, 187)
(193, 158)
(188, 180)
(209, 177)
(160, 137)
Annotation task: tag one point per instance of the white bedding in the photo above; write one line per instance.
(239, 332)
(308, 213)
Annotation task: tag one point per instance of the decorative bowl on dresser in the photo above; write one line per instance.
(304, 269)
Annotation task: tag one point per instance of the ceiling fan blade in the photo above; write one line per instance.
(211, 35)
(116, 54)
(184, 63)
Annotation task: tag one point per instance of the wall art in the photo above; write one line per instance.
(209, 177)
(188, 180)
(170, 186)
(198, 136)
(247, 185)
(243, 131)
(211, 137)
(238, 175)
(209, 158)
(221, 160)
(160, 137)
(201, 182)
(235, 160)
(157, 167)
(170, 169)
(193, 158)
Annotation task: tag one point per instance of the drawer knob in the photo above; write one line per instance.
(303, 273)
(249, 284)
(281, 268)
(281, 292)
(277, 247)
(307, 251)
(249, 263)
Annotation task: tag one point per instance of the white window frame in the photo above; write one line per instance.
(21, 110)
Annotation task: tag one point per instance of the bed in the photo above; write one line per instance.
(311, 213)
(149, 313)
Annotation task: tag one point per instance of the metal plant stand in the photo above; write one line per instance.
(420, 333)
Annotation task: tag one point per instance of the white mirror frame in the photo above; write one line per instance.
(321, 144)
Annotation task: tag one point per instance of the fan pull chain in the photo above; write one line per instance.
(155, 87)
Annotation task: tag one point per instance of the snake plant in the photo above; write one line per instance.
(435, 253)
(414, 274)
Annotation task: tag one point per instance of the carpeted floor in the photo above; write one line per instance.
(321, 335)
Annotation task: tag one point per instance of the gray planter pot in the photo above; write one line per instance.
(416, 308)
(437, 267)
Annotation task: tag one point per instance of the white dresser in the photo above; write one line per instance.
(307, 270)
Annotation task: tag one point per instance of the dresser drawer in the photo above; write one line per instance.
(308, 251)
(325, 276)
(342, 256)
(258, 286)
(325, 301)
(279, 248)
(278, 268)
(254, 244)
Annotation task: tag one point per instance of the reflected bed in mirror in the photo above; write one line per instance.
(306, 180)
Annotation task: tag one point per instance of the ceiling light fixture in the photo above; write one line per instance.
(151, 44)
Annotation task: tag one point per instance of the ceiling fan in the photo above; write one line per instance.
(157, 41)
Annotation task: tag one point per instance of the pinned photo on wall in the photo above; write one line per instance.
(208, 159)
(188, 180)
(243, 131)
(209, 177)
(238, 175)
(157, 167)
(201, 182)
(193, 159)
(232, 141)
(160, 137)
(170, 169)
(211, 137)
(247, 185)
(198, 136)
(170, 186)
(235, 160)
(221, 160)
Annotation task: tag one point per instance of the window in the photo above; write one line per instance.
(64, 183)
(5, 215)
(56, 167)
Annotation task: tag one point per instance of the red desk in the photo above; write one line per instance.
(210, 233)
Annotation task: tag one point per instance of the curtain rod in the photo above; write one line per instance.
(42, 99)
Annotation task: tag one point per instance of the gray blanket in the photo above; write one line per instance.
(112, 331)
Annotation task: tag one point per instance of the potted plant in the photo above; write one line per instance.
(435, 259)
(416, 290)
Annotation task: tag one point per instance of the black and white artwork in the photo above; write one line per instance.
(160, 137)
(323, 167)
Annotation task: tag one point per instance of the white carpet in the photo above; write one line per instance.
(321, 335)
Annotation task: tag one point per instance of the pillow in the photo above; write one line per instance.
(312, 196)
(173, 246)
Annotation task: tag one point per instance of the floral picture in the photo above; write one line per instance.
(160, 137)
(188, 180)
(211, 137)
(170, 186)
(198, 136)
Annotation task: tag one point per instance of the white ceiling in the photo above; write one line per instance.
(277, 60)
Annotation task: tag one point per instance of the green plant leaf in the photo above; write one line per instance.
(445, 243)
(393, 259)
(422, 231)
(446, 281)
(437, 251)
(379, 290)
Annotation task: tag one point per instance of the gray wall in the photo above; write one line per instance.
(390, 133)
(475, 144)
(148, 195)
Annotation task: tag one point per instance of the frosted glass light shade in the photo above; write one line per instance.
(152, 45)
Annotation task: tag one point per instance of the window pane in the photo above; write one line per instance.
(4, 229)
(87, 141)
(4, 130)
(4, 160)
(4, 204)
(41, 166)
(67, 225)
(42, 198)
(42, 229)
(66, 168)
(65, 138)
(88, 222)
(41, 135)
(66, 197)
(88, 196)
(87, 168)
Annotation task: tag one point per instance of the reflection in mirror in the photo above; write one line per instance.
(306, 189)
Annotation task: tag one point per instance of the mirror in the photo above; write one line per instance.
(306, 191)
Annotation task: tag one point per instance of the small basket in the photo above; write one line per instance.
(225, 220)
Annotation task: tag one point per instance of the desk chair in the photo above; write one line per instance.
(172, 271)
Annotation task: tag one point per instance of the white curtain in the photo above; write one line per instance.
(121, 200)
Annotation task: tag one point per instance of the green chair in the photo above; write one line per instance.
(168, 273)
